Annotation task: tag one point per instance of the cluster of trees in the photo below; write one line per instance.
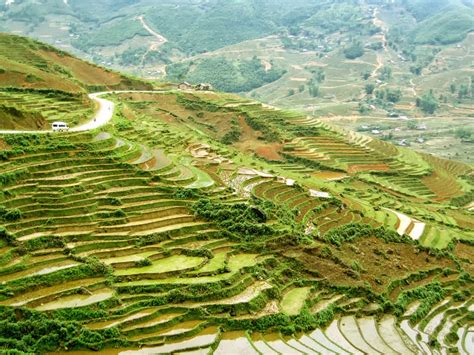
(427, 103)
(245, 222)
(114, 33)
(269, 133)
(9, 215)
(391, 95)
(303, 322)
(340, 16)
(318, 77)
(32, 332)
(385, 73)
(429, 295)
(463, 92)
(353, 51)
(224, 74)
(352, 231)
(465, 133)
(140, 55)
(232, 136)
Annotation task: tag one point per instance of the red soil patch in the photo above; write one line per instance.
(381, 262)
(269, 151)
(442, 185)
(466, 253)
(85, 72)
(329, 175)
(367, 167)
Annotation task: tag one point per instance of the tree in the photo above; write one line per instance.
(386, 73)
(393, 95)
(301, 88)
(380, 94)
(464, 133)
(452, 88)
(369, 88)
(355, 50)
(363, 109)
(313, 90)
(427, 103)
(463, 91)
(291, 92)
(411, 124)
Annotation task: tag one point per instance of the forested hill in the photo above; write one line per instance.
(192, 27)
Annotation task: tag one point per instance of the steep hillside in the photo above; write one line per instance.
(198, 221)
(39, 83)
(31, 64)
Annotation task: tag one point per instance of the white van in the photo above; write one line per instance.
(60, 126)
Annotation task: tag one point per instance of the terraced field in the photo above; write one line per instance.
(150, 235)
(44, 108)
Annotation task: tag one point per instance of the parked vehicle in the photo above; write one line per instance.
(60, 126)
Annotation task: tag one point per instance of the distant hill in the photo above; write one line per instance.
(440, 21)
(445, 27)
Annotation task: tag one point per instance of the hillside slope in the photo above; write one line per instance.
(40, 84)
(31, 64)
(203, 221)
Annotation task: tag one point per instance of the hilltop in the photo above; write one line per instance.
(204, 221)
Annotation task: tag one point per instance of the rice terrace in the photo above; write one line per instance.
(172, 218)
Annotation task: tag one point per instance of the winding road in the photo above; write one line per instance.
(101, 117)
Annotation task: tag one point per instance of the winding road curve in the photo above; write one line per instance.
(102, 116)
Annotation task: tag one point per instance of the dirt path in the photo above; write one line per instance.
(379, 23)
(161, 40)
(412, 88)
(154, 46)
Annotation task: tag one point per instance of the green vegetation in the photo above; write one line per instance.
(427, 103)
(199, 220)
(445, 28)
(30, 331)
(355, 50)
(225, 75)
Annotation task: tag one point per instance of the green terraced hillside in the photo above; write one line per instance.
(201, 222)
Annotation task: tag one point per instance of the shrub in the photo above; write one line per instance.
(353, 231)
(369, 88)
(9, 238)
(244, 221)
(186, 194)
(12, 215)
(28, 331)
(143, 262)
(231, 137)
(118, 213)
(427, 103)
(115, 201)
(355, 50)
